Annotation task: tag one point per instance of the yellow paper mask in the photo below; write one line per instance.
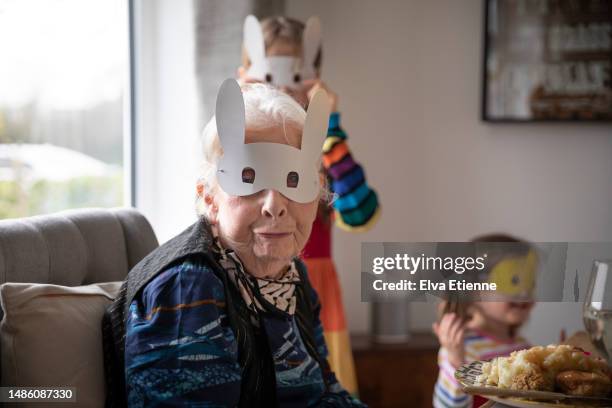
(515, 277)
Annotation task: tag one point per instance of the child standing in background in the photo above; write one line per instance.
(355, 209)
(470, 331)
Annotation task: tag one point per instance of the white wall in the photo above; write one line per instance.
(409, 78)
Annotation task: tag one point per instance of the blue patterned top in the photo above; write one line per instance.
(180, 348)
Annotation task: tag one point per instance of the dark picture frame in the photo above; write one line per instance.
(547, 61)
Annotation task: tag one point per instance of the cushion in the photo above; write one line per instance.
(51, 335)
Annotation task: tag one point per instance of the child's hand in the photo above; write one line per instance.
(450, 332)
(313, 85)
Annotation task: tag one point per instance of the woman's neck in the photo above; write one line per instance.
(263, 268)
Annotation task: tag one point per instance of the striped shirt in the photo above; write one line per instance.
(478, 346)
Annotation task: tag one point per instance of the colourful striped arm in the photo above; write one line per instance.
(356, 205)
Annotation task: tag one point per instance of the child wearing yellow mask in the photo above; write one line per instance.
(488, 328)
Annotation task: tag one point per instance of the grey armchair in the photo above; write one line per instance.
(75, 247)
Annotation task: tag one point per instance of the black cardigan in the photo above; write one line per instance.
(258, 377)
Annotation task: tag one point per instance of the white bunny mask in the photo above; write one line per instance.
(282, 71)
(246, 169)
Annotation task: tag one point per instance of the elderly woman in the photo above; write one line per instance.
(223, 314)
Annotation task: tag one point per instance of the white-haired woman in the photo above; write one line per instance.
(223, 314)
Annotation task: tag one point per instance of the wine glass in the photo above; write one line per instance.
(597, 309)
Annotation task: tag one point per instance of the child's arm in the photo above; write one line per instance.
(447, 391)
(356, 206)
(451, 334)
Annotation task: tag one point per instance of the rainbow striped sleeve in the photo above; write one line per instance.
(356, 205)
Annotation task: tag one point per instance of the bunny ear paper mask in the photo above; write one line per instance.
(249, 168)
(282, 71)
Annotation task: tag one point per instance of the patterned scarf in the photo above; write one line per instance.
(260, 294)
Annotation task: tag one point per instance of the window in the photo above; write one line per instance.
(63, 88)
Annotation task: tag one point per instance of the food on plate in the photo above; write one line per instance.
(561, 368)
(582, 383)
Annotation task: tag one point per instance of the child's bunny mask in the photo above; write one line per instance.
(282, 71)
(246, 169)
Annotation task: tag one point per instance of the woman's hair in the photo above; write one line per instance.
(264, 106)
(282, 28)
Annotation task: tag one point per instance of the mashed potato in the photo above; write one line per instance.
(537, 367)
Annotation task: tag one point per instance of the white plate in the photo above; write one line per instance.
(521, 403)
(468, 374)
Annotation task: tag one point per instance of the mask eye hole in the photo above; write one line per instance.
(292, 179)
(269, 78)
(248, 175)
(297, 78)
(515, 280)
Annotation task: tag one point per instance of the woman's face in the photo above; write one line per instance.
(266, 229)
